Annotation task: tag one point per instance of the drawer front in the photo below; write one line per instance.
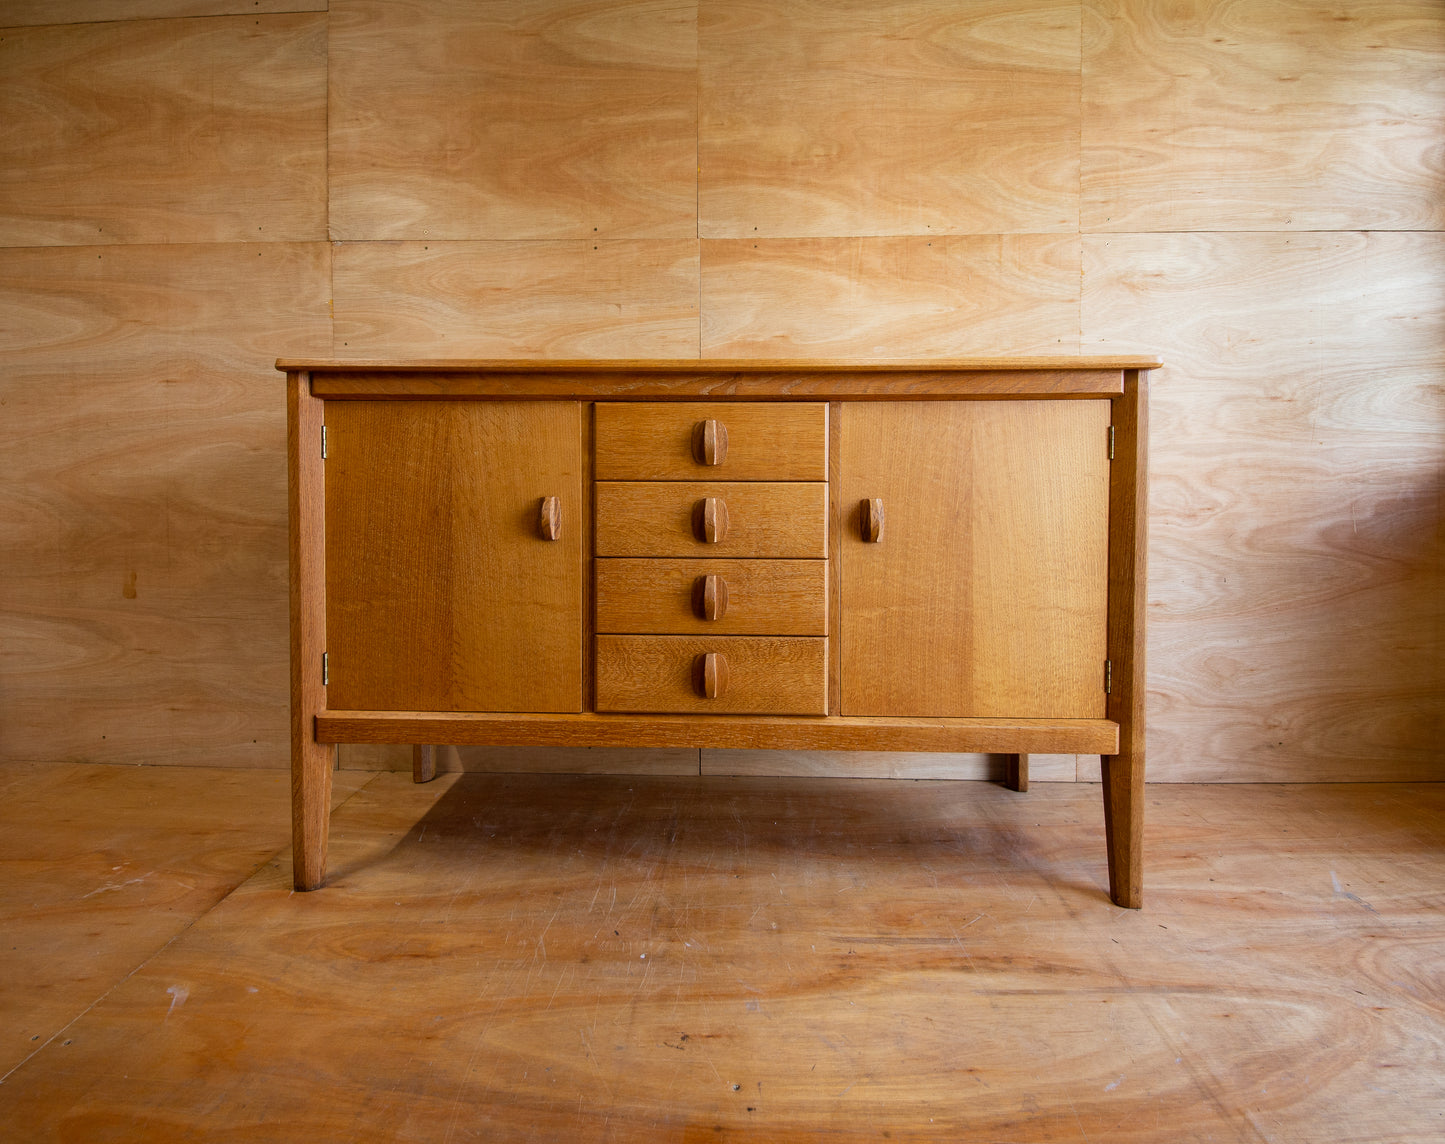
(772, 675)
(663, 518)
(765, 441)
(750, 597)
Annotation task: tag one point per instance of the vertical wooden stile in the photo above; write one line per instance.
(311, 762)
(1128, 552)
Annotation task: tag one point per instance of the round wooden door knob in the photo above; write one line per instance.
(710, 520)
(870, 519)
(711, 675)
(710, 597)
(710, 442)
(549, 520)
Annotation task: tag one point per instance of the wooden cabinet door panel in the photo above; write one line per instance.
(442, 592)
(987, 592)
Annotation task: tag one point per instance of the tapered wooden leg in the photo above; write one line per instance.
(1124, 828)
(311, 768)
(1016, 772)
(1128, 601)
(423, 764)
(311, 762)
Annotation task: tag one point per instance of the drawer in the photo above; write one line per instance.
(663, 518)
(761, 597)
(764, 675)
(765, 441)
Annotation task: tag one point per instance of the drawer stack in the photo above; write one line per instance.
(712, 545)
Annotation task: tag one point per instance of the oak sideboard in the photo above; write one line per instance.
(861, 555)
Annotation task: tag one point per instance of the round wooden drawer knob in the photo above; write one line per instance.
(710, 520)
(710, 597)
(710, 442)
(711, 672)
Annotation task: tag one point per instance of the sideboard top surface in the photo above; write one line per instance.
(719, 365)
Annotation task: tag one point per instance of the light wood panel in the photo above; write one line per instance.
(935, 961)
(654, 442)
(900, 117)
(904, 297)
(103, 866)
(453, 119)
(442, 593)
(1270, 115)
(765, 518)
(764, 597)
(205, 130)
(768, 675)
(1298, 437)
(144, 493)
(14, 13)
(522, 299)
(986, 593)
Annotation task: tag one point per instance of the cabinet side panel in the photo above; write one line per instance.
(442, 594)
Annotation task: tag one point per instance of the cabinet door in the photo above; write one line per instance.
(442, 593)
(987, 592)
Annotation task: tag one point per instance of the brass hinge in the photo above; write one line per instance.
(325, 673)
(323, 443)
(1111, 442)
(1108, 677)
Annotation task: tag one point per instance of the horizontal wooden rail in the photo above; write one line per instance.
(753, 732)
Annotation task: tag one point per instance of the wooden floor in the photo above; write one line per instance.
(551, 957)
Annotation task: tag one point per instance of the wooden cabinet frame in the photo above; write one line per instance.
(1119, 737)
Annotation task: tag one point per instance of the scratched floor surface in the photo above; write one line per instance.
(507, 958)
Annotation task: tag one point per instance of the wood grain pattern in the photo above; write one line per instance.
(525, 760)
(542, 945)
(682, 384)
(523, 299)
(1271, 115)
(1295, 557)
(440, 593)
(144, 483)
(765, 597)
(905, 117)
(102, 867)
(15, 13)
(880, 765)
(653, 442)
(207, 130)
(453, 119)
(987, 593)
(761, 732)
(767, 519)
(903, 297)
(769, 675)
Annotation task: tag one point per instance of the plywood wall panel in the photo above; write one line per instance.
(516, 299)
(499, 119)
(143, 605)
(1297, 556)
(820, 118)
(1267, 115)
(890, 297)
(14, 13)
(207, 130)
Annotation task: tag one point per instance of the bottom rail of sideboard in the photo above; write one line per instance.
(738, 732)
